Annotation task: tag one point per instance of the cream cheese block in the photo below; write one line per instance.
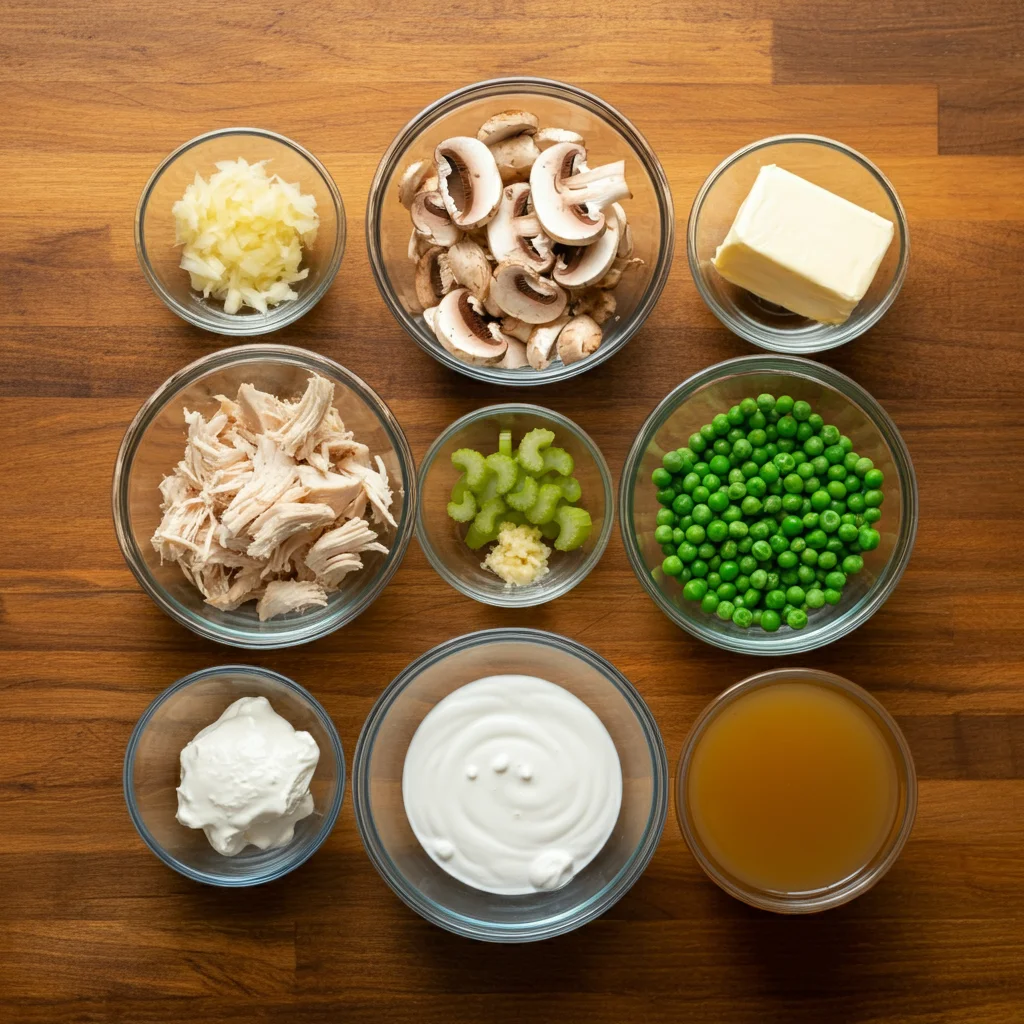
(802, 247)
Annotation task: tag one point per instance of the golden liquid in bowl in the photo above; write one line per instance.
(792, 787)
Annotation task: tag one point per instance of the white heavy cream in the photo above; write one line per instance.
(802, 247)
(245, 778)
(512, 784)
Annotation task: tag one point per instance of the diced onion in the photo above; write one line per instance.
(243, 232)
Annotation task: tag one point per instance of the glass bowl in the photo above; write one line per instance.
(824, 162)
(442, 538)
(609, 137)
(154, 443)
(849, 888)
(152, 770)
(840, 401)
(414, 875)
(159, 255)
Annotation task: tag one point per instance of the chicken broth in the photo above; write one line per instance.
(792, 787)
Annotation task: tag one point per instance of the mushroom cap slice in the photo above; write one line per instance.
(540, 349)
(432, 221)
(521, 292)
(568, 197)
(597, 303)
(413, 179)
(514, 233)
(548, 137)
(514, 157)
(515, 355)
(433, 277)
(625, 232)
(583, 265)
(469, 267)
(580, 338)
(462, 331)
(506, 124)
(468, 180)
(517, 329)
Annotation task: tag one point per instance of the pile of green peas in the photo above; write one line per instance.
(767, 512)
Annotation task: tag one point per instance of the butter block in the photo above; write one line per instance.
(802, 247)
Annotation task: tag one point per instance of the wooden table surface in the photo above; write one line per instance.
(92, 927)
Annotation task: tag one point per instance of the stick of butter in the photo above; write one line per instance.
(802, 247)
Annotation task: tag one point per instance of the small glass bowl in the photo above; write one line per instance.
(442, 538)
(840, 401)
(609, 137)
(413, 874)
(155, 440)
(849, 888)
(824, 162)
(159, 255)
(152, 770)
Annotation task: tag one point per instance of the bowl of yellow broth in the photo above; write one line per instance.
(796, 790)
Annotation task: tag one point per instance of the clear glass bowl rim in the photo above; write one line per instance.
(522, 597)
(545, 86)
(766, 339)
(330, 815)
(221, 359)
(860, 883)
(796, 642)
(246, 326)
(472, 928)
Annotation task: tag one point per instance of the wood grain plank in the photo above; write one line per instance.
(982, 115)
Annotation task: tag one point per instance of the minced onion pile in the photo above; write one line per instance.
(243, 233)
(768, 511)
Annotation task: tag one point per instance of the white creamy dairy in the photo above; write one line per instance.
(245, 778)
(802, 247)
(512, 784)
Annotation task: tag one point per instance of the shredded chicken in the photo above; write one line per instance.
(268, 499)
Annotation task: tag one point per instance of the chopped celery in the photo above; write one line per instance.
(571, 489)
(504, 469)
(465, 509)
(574, 527)
(543, 509)
(460, 489)
(505, 442)
(559, 460)
(525, 495)
(472, 464)
(530, 457)
(550, 530)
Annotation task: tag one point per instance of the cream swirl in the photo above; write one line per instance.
(512, 784)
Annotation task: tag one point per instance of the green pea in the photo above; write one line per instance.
(770, 620)
(793, 484)
(726, 591)
(765, 402)
(830, 435)
(791, 526)
(792, 503)
(801, 411)
(769, 472)
(827, 560)
(695, 534)
(665, 517)
(725, 610)
(700, 494)
(713, 579)
(845, 443)
(708, 433)
(837, 472)
(775, 599)
(836, 490)
(850, 460)
(709, 602)
(847, 532)
(732, 513)
(742, 617)
(679, 533)
(666, 495)
(697, 443)
(718, 501)
(729, 570)
(787, 445)
(757, 438)
(759, 579)
(863, 466)
(663, 534)
(672, 461)
(809, 556)
(811, 520)
(699, 568)
(742, 449)
(748, 407)
(695, 590)
(798, 544)
(836, 580)
(661, 477)
(721, 447)
(787, 559)
(804, 432)
(771, 447)
(751, 596)
(833, 454)
(787, 426)
(720, 424)
(835, 545)
(672, 566)
(784, 462)
(761, 551)
(683, 504)
(805, 574)
(873, 498)
(853, 482)
(832, 596)
(829, 521)
(796, 619)
(815, 421)
(772, 504)
(728, 550)
(738, 529)
(757, 421)
(872, 515)
(668, 549)
(717, 531)
(856, 503)
(820, 500)
(815, 598)
(742, 584)
(760, 531)
(817, 539)
(719, 465)
(778, 543)
(701, 469)
(852, 564)
(874, 478)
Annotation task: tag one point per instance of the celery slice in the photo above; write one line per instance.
(530, 457)
(525, 495)
(472, 464)
(505, 471)
(543, 509)
(505, 442)
(575, 525)
(559, 460)
(465, 509)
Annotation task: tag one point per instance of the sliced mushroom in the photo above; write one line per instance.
(515, 355)
(506, 124)
(430, 315)
(521, 292)
(569, 199)
(470, 268)
(462, 331)
(540, 349)
(515, 157)
(618, 268)
(432, 221)
(580, 338)
(625, 233)
(517, 329)
(582, 265)
(414, 180)
(433, 277)
(418, 245)
(468, 180)
(548, 137)
(514, 233)
(595, 303)
(491, 307)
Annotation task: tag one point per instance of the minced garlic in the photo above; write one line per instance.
(243, 233)
(519, 557)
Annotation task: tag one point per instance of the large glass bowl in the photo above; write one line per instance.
(154, 443)
(442, 538)
(824, 162)
(152, 771)
(159, 255)
(609, 137)
(414, 875)
(856, 884)
(840, 401)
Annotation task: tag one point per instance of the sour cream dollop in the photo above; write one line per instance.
(512, 784)
(245, 778)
